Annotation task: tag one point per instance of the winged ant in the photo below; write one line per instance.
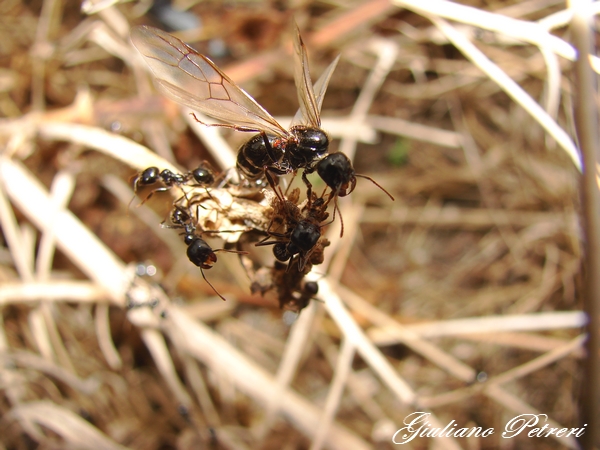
(193, 80)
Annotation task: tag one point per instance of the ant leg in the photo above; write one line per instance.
(290, 183)
(335, 206)
(273, 185)
(149, 196)
(237, 252)
(308, 187)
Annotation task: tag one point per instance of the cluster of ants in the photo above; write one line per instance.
(247, 202)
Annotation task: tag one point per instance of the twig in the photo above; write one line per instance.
(585, 88)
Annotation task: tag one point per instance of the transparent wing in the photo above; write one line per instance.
(304, 87)
(319, 88)
(193, 80)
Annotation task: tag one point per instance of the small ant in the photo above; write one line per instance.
(202, 176)
(337, 172)
(302, 229)
(199, 252)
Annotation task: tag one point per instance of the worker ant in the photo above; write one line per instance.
(199, 252)
(201, 176)
(300, 228)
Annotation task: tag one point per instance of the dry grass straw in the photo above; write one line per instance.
(462, 298)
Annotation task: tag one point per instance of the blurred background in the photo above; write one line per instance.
(461, 298)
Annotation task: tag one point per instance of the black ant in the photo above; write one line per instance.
(202, 176)
(302, 229)
(193, 80)
(337, 172)
(199, 252)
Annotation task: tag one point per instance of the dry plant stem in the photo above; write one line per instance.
(513, 403)
(365, 348)
(196, 381)
(510, 375)
(76, 432)
(426, 349)
(157, 346)
(218, 147)
(65, 291)
(117, 147)
(61, 191)
(452, 217)
(518, 29)
(340, 127)
(473, 158)
(349, 21)
(210, 348)
(385, 335)
(399, 127)
(41, 50)
(294, 348)
(510, 87)
(32, 361)
(107, 346)
(387, 53)
(587, 131)
(76, 241)
(336, 390)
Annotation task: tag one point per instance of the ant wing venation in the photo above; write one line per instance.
(319, 88)
(222, 110)
(193, 80)
(306, 95)
(153, 43)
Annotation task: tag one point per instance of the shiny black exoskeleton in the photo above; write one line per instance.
(294, 231)
(337, 172)
(264, 154)
(199, 252)
(302, 239)
(202, 176)
(199, 177)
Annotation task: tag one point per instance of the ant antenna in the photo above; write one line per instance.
(376, 184)
(213, 288)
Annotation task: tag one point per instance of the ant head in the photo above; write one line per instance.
(311, 288)
(147, 177)
(203, 176)
(337, 172)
